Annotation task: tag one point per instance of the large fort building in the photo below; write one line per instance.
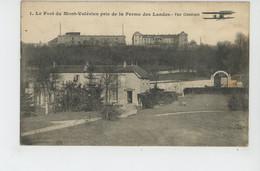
(175, 40)
(74, 38)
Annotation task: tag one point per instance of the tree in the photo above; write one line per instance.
(242, 52)
(108, 82)
(155, 72)
(94, 88)
(45, 80)
(222, 54)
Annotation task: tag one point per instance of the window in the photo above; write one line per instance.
(76, 78)
(114, 95)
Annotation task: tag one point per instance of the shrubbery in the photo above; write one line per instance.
(238, 102)
(27, 108)
(157, 96)
(78, 98)
(109, 112)
(215, 90)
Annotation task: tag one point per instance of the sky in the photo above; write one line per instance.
(43, 27)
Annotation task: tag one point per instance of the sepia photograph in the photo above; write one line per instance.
(134, 73)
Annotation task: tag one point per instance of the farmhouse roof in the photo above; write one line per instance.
(83, 68)
(181, 76)
(140, 73)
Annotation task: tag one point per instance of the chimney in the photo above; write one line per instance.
(124, 65)
(54, 65)
(122, 28)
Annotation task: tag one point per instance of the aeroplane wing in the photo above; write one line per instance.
(211, 18)
(218, 18)
(220, 12)
(210, 13)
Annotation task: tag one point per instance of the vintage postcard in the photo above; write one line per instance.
(134, 73)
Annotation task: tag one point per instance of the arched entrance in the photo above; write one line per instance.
(221, 79)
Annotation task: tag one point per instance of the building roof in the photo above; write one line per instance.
(83, 68)
(159, 36)
(53, 41)
(73, 33)
(181, 76)
(91, 35)
(137, 33)
(140, 73)
(183, 33)
(239, 77)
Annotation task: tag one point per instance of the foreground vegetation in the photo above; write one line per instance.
(216, 127)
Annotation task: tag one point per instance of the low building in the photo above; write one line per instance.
(177, 82)
(75, 38)
(128, 80)
(174, 40)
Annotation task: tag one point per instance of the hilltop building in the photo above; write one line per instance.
(175, 40)
(75, 38)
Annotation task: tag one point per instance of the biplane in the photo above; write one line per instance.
(221, 15)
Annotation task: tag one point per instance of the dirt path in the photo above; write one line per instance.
(70, 123)
(59, 125)
(189, 112)
(130, 110)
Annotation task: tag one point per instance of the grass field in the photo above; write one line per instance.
(42, 121)
(216, 127)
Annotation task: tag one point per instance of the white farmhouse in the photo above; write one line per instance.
(128, 82)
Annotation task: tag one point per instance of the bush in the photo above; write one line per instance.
(78, 98)
(238, 102)
(27, 107)
(109, 112)
(214, 90)
(157, 96)
(148, 101)
(169, 97)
